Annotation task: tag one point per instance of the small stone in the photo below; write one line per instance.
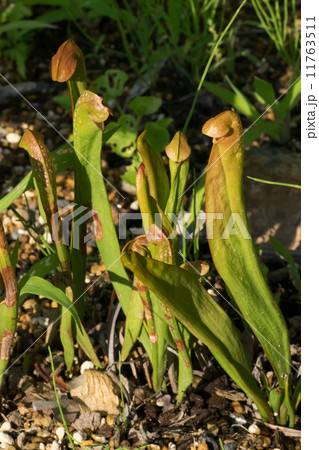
(230, 445)
(55, 445)
(267, 442)
(171, 446)
(238, 408)
(30, 305)
(218, 286)
(87, 365)
(5, 438)
(202, 446)
(212, 429)
(99, 438)
(13, 138)
(196, 380)
(164, 400)
(126, 187)
(43, 434)
(79, 436)
(6, 426)
(60, 433)
(254, 429)
(238, 418)
(41, 446)
(110, 418)
(21, 439)
(43, 322)
(134, 205)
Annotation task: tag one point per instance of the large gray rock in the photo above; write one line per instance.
(273, 210)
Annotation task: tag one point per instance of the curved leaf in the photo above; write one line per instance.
(89, 112)
(202, 316)
(154, 170)
(38, 286)
(231, 245)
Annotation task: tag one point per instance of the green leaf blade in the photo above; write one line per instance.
(204, 318)
(232, 247)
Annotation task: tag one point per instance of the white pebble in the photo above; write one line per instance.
(43, 434)
(55, 446)
(60, 433)
(6, 426)
(238, 418)
(87, 365)
(43, 321)
(163, 400)
(21, 439)
(13, 138)
(5, 438)
(254, 429)
(134, 205)
(79, 436)
(99, 438)
(41, 446)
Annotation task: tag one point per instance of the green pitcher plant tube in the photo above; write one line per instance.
(9, 305)
(44, 179)
(187, 299)
(234, 256)
(68, 65)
